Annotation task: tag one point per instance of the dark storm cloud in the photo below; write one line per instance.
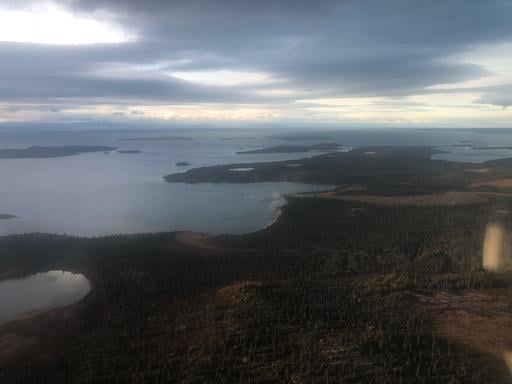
(318, 48)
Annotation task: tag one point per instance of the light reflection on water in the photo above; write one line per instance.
(41, 291)
(97, 194)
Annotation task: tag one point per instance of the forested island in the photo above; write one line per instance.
(157, 138)
(293, 148)
(129, 151)
(383, 279)
(300, 137)
(52, 151)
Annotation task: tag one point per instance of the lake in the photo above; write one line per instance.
(42, 291)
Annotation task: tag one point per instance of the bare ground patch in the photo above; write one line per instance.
(12, 343)
(39, 335)
(478, 319)
(448, 198)
(498, 183)
(198, 240)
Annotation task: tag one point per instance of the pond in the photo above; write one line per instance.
(40, 292)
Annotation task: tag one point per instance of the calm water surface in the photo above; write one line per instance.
(41, 291)
(96, 194)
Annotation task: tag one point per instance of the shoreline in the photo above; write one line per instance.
(331, 188)
(333, 260)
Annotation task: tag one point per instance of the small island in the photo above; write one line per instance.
(129, 151)
(182, 164)
(40, 152)
(4, 216)
(293, 149)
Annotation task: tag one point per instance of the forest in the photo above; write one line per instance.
(334, 291)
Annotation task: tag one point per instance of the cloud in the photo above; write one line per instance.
(321, 49)
(500, 95)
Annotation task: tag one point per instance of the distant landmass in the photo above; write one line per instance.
(54, 151)
(158, 138)
(293, 148)
(236, 138)
(492, 130)
(300, 138)
(466, 141)
(477, 147)
(182, 164)
(484, 147)
(4, 216)
(129, 151)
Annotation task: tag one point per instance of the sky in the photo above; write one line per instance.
(404, 63)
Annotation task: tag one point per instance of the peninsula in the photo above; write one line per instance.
(293, 148)
(52, 151)
(385, 278)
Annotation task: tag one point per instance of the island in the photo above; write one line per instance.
(293, 149)
(129, 151)
(491, 147)
(35, 152)
(236, 138)
(4, 216)
(300, 138)
(182, 164)
(156, 138)
(388, 275)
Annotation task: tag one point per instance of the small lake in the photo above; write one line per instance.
(39, 292)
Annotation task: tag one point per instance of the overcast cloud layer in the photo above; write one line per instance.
(430, 62)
